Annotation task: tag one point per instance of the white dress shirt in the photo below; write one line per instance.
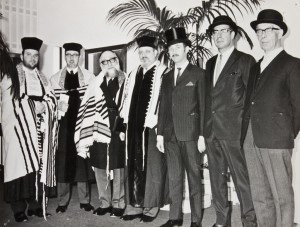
(268, 57)
(182, 68)
(75, 70)
(225, 57)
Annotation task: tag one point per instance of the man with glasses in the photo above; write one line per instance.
(70, 84)
(145, 170)
(226, 81)
(108, 161)
(271, 122)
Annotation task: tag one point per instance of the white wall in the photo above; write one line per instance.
(84, 21)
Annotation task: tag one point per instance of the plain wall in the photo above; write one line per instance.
(84, 21)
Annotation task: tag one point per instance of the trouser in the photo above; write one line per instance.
(110, 196)
(270, 172)
(20, 205)
(222, 154)
(64, 193)
(184, 155)
(148, 211)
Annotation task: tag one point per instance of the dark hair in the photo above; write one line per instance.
(8, 68)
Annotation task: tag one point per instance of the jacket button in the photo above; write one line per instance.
(213, 111)
(252, 103)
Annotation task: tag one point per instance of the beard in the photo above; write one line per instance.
(113, 72)
(29, 66)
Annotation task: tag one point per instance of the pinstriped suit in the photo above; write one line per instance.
(180, 122)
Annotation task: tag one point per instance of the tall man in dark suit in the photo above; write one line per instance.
(271, 121)
(226, 81)
(180, 127)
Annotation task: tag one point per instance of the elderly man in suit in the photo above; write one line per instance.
(180, 127)
(226, 81)
(271, 122)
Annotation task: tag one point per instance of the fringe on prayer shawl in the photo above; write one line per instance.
(107, 166)
(37, 140)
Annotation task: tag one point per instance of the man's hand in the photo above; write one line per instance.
(122, 136)
(201, 144)
(160, 143)
(62, 106)
(39, 107)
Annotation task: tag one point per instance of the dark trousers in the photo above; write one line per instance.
(21, 205)
(184, 155)
(270, 172)
(221, 155)
(64, 193)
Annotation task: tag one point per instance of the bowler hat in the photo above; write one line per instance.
(223, 20)
(31, 43)
(72, 46)
(177, 35)
(147, 41)
(270, 16)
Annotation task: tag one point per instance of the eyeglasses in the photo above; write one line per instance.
(72, 55)
(112, 60)
(267, 31)
(222, 31)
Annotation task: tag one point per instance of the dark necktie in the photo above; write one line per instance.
(178, 75)
(71, 72)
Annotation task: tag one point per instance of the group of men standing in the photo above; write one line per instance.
(141, 132)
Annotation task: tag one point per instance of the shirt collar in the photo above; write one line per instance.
(145, 70)
(272, 54)
(182, 67)
(75, 70)
(226, 53)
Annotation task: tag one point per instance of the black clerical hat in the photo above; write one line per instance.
(31, 43)
(177, 35)
(72, 46)
(148, 41)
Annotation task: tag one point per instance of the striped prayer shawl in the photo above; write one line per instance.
(81, 91)
(92, 120)
(28, 129)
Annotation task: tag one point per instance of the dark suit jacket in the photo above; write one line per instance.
(182, 106)
(224, 102)
(273, 104)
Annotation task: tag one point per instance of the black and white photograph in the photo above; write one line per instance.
(150, 113)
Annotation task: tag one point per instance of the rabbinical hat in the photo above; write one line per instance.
(72, 46)
(31, 43)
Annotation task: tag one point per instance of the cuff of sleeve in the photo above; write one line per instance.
(159, 138)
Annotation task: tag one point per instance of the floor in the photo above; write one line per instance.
(79, 218)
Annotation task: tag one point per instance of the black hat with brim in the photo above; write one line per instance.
(177, 35)
(270, 16)
(223, 20)
(31, 43)
(72, 46)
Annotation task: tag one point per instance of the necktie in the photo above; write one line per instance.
(71, 72)
(109, 82)
(178, 75)
(218, 70)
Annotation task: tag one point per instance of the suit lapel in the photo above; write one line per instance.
(211, 70)
(184, 74)
(269, 70)
(232, 59)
